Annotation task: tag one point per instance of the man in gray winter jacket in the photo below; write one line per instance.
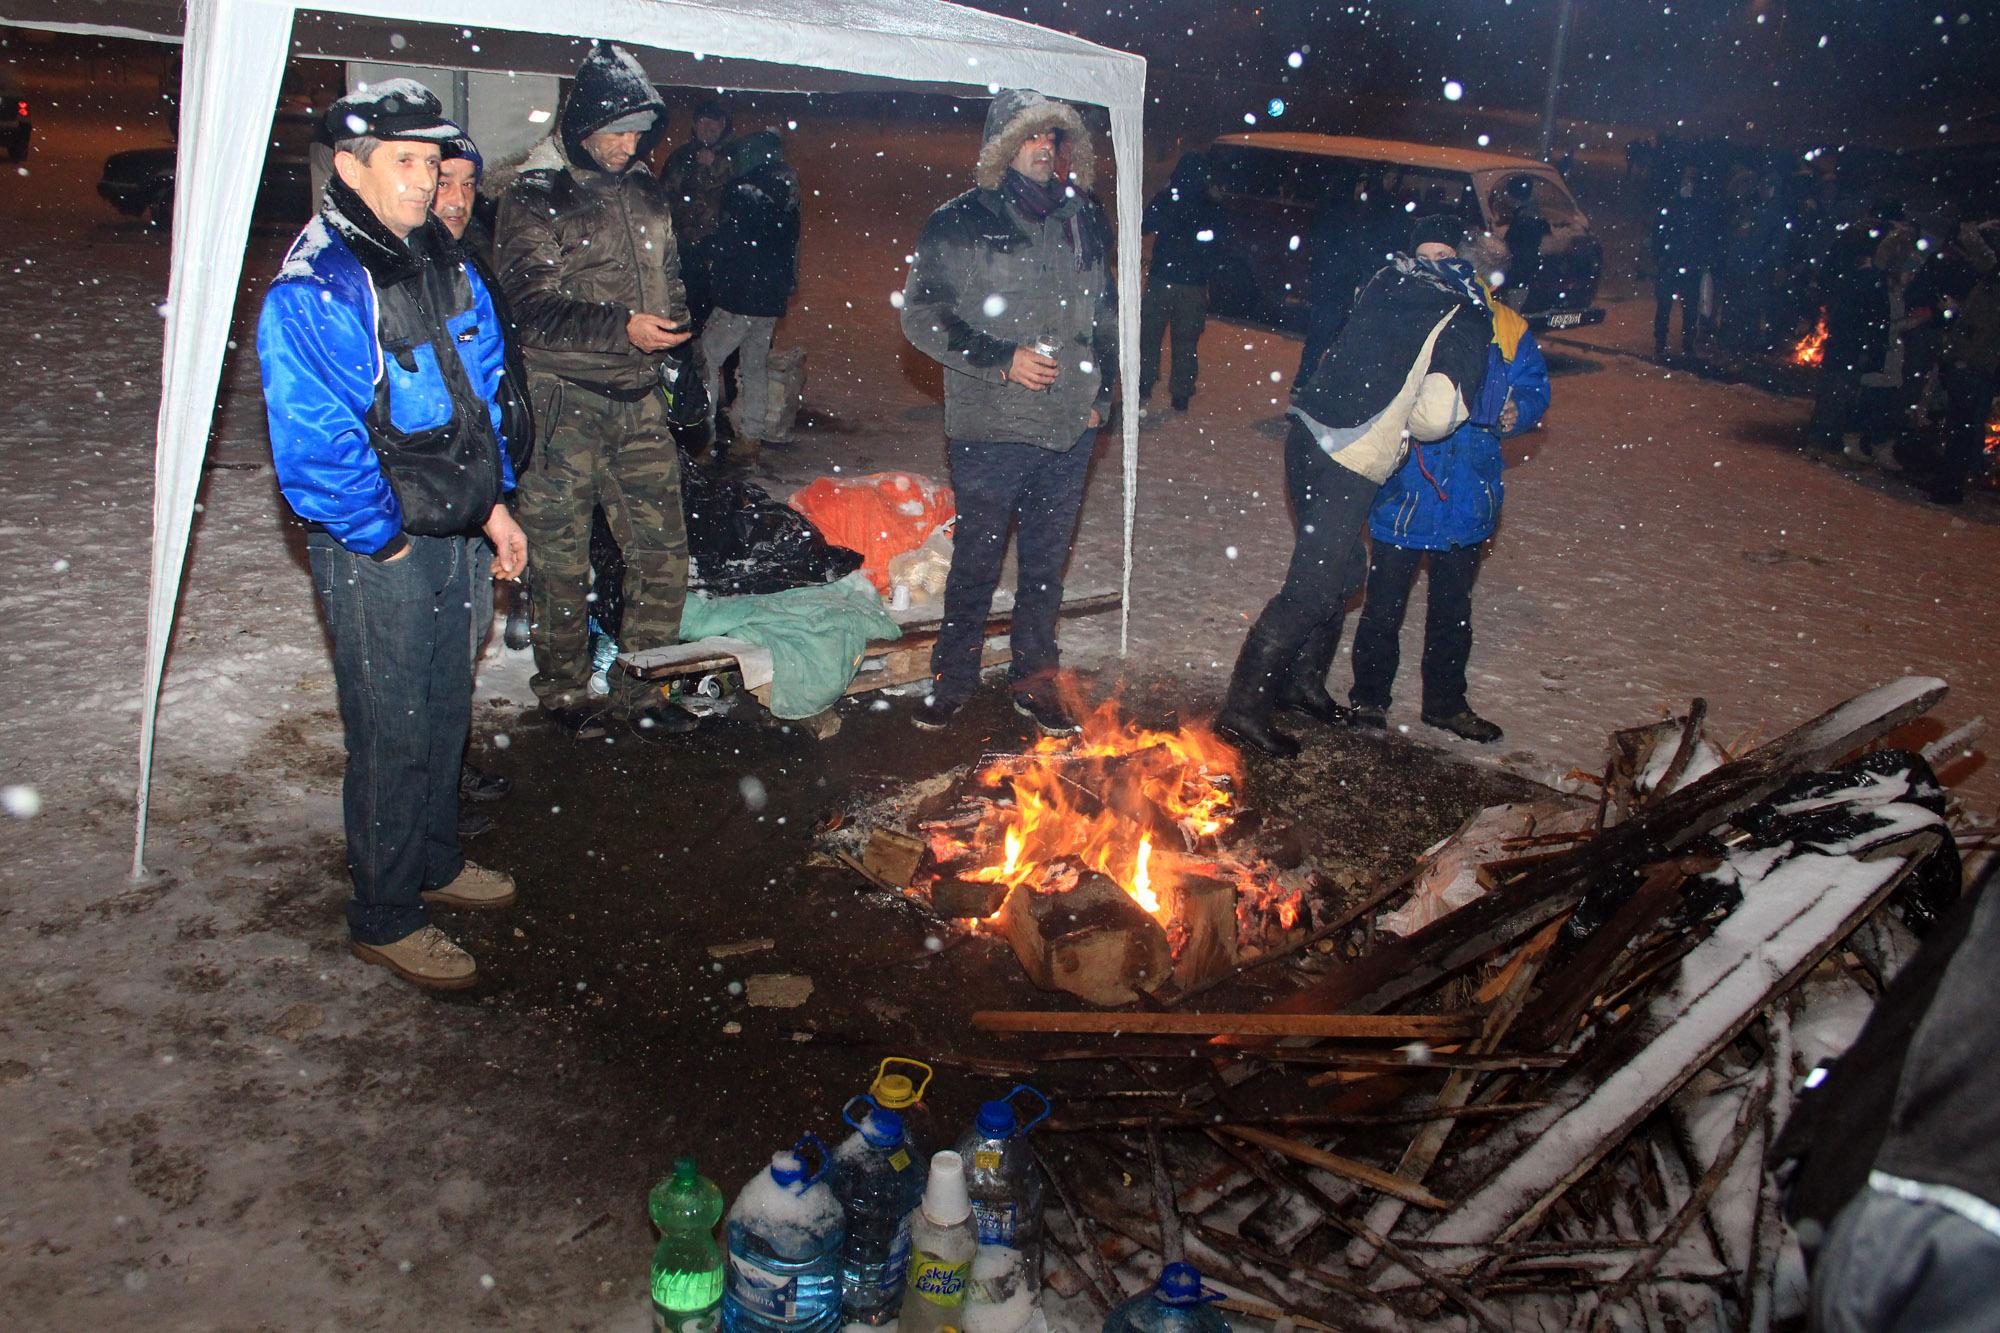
(1012, 292)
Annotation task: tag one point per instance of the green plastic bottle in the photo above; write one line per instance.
(687, 1263)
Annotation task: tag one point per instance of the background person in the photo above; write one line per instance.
(588, 259)
(1441, 506)
(754, 261)
(1189, 229)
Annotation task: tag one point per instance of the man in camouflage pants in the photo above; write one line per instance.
(588, 261)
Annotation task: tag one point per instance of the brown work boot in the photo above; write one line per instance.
(476, 886)
(423, 958)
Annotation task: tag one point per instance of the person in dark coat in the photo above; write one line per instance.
(1686, 238)
(1440, 507)
(695, 175)
(1891, 1161)
(753, 261)
(1526, 229)
(1407, 365)
(1013, 293)
(1189, 230)
(586, 253)
(1971, 369)
(1353, 235)
(1857, 336)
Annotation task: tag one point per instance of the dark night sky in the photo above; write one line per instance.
(1871, 68)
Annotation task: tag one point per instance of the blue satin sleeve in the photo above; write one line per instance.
(318, 361)
(490, 358)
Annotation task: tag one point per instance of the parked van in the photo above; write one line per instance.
(1275, 185)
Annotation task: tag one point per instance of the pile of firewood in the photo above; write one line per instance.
(1534, 1106)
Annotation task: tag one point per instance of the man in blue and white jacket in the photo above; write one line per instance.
(1443, 503)
(382, 359)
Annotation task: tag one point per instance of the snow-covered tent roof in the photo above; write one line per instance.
(235, 57)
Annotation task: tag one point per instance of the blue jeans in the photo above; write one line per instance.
(402, 662)
(995, 487)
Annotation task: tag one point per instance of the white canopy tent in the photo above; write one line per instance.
(235, 53)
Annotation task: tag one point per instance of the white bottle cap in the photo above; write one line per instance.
(945, 1199)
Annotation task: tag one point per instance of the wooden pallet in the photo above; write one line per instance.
(886, 663)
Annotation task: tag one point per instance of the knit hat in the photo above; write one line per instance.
(1436, 229)
(462, 146)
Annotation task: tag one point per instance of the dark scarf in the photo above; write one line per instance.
(388, 258)
(1040, 201)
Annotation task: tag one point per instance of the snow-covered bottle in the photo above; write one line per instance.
(899, 1086)
(879, 1185)
(1006, 1189)
(785, 1232)
(687, 1265)
(943, 1241)
(1176, 1304)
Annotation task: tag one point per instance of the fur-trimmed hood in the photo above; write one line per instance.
(1017, 115)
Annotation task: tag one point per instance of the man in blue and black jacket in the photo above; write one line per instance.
(382, 359)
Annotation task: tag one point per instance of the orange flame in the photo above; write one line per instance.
(1811, 349)
(1101, 801)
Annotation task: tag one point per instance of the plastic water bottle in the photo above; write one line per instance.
(687, 1266)
(879, 1184)
(1176, 1304)
(943, 1241)
(1006, 1189)
(785, 1232)
(899, 1086)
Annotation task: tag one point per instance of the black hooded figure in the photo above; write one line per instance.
(1189, 230)
(1409, 360)
(587, 255)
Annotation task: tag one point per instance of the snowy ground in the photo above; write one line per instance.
(161, 1099)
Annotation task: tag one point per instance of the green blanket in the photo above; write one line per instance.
(816, 636)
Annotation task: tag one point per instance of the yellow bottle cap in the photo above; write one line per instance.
(898, 1092)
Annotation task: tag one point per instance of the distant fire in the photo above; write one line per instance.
(1811, 349)
(1105, 801)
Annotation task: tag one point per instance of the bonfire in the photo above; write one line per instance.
(1149, 810)
(1811, 349)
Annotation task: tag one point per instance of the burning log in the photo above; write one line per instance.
(1094, 941)
(1206, 912)
(962, 898)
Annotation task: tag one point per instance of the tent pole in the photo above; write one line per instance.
(212, 201)
(1128, 129)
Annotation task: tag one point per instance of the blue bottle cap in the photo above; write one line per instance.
(787, 1168)
(882, 1129)
(1179, 1284)
(995, 1120)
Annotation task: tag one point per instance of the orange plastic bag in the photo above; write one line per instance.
(881, 515)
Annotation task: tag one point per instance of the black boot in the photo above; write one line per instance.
(1303, 689)
(1253, 691)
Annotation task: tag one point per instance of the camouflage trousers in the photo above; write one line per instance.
(593, 450)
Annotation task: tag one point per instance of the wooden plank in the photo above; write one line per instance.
(1398, 969)
(1093, 941)
(1781, 932)
(1574, 982)
(892, 857)
(1345, 1167)
(1423, 1151)
(1393, 1027)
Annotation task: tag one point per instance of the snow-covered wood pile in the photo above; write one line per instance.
(1623, 995)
